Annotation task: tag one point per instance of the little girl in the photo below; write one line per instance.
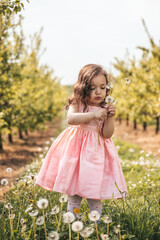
(83, 162)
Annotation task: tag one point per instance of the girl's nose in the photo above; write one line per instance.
(98, 91)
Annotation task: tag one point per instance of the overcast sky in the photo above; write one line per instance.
(78, 32)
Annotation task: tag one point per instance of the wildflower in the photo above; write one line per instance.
(33, 213)
(104, 236)
(127, 80)
(23, 221)
(107, 219)
(4, 182)
(41, 155)
(8, 205)
(86, 232)
(55, 210)
(117, 229)
(68, 217)
(11, 216)
(28, 209)
(47, 142)
(42, 203)
(39, 149)
(142, 151)
(76, 210)
(63, 198)
(53, 235)
(77, 226)
(131, 150)
(141, 158)
(94, 215)
(9, 170)
(109, 99)
(40, 221)
(109, 86)
(117, 147)
(52, 138)
(46, 148)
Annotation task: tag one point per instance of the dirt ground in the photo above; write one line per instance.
(23, 151)
(148, 140)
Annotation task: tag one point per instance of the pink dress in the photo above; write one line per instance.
(77, 164)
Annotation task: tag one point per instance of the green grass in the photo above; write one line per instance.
(138, 215)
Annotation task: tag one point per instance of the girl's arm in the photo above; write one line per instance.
(75, 118)
(108, 128)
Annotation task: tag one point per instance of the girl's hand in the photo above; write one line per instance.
(101, 114)
(111, 111)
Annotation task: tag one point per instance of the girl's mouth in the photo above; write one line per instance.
(98, 98)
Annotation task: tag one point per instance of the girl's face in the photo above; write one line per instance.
(98, 90)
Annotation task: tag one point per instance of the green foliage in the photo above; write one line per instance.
(8, 7)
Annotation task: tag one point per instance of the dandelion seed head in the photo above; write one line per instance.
(94, 215)
(131, 150)
(104, 236)
(63, 198)
(33, 213)
(4, 182)
(28, 209)
(86, 232)
(8, 205)
(11, 216)
(109, 99)
(77, 226)
(127, 81)
(9, 170)
(107, 219)
(42, 203)
(40, 220)
(68, 217)
(109, 86)
(53, 236)
(55, 210)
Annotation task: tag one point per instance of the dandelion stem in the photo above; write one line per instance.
(97, 230)
(108, 229)
(60, 217)
(34, 232)
(69, 231)
(98, 133)
(11, 225)
(44, 225)
(119, 232)
(78, 236)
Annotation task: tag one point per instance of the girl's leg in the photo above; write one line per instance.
(95, 205)
(73, 202)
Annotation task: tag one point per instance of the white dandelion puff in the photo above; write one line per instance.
(46, 148)
(68, 217)
(47, 142)
(104, 236)
(94, 215)
(41, 156)
(28, 209)
(77, 226)
(53, 236)
(109, 99)
(33, 213)
(141, 159)
(55, 210)
(39, 149)
(11, 216)
(127, 81)
(9, 170)
(4, 182)
(42, 203)
(109, 86)
(63, 198)
(117, 229)
(86, 232)
(131, 150)
(8, 205)
(107, 219)
(117, 147)
(40, 220)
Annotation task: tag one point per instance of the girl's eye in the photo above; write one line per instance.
(92, 88)
(103, 88)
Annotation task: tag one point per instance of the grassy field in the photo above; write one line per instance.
(136, 217)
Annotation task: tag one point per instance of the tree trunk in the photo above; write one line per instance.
(1, 146)
(120, 119)
(157, 125)
(144, 126)
(127, 120)
(20, 133)
(10, 138)
(26, 132)
(135, 124)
